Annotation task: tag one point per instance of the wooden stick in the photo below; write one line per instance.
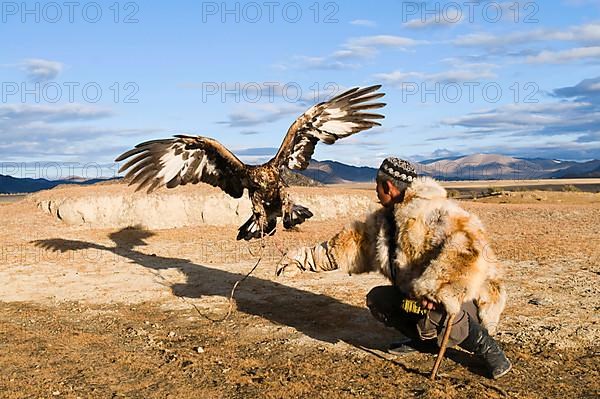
(442, 351)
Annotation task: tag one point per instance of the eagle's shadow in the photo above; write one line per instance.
(316, 315)
(319, 316)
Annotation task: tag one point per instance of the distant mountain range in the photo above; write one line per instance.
(500, 167)
(329, 172)
(15, 185)
(471, 167)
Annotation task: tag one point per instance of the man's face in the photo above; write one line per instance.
(384, 193)
(388, 194)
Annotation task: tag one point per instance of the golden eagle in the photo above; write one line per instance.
(193, 159)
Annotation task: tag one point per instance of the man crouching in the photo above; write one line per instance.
(435, 254)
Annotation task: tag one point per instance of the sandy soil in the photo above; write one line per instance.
(128, 313)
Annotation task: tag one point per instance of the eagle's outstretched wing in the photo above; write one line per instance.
(328, 121)
(182, 160)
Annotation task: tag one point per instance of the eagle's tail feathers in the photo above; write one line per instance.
(297, 215)
(251, 229)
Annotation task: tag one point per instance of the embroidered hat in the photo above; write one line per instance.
(398, 169)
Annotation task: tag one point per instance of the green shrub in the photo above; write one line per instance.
(493, 190)
(453, 193)
(570, 188)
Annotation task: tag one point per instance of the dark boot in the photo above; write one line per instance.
(484, 346)
(407, 346)
(402, 347)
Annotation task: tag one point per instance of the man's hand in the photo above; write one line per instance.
(293, 263)
(423, 296)
(312, 259)
(427, 304)
(288, 268)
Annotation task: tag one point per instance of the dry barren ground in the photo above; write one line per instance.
(103, 313)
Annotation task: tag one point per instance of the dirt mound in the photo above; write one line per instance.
(117, 206)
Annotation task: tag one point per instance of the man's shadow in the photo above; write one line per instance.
(319, 316)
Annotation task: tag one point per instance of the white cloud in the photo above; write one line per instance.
(452, 75)
(588, 34)
(354, 52)
(559, 57)
(363, 22)
(419, 23)
(18, 113)
(568, 121)
(382, 41)
(261, 114)
(369, 46)
(267, 91)
(575, 121)
(516, 116)
(40, 70)
(450, 17)
(436, 154)
(355, 48)
(59, 131)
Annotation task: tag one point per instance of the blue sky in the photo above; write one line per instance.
(83, 83)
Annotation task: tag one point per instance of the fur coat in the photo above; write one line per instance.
(441, 252)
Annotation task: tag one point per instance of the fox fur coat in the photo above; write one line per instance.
(441, 252)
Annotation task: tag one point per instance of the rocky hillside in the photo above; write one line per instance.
(330, 172)
(297, 179)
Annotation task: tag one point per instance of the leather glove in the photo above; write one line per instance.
(303, 259)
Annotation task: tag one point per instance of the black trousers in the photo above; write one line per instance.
(386, 305)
